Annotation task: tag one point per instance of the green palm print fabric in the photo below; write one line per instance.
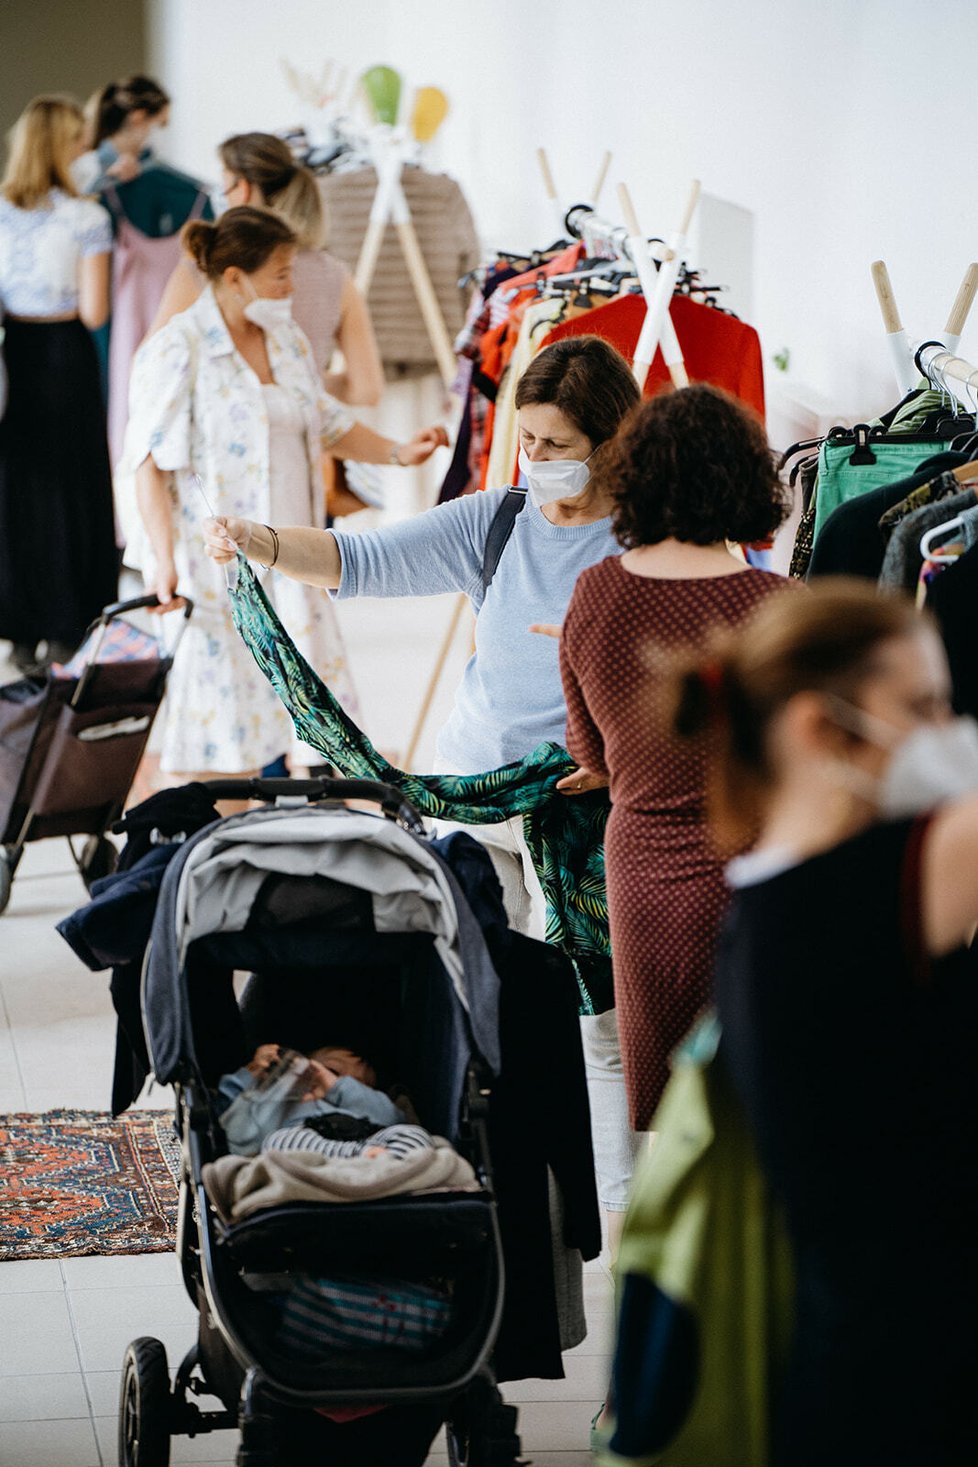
(565, 835)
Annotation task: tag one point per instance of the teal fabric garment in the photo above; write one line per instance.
(839, 480)
(565, 834)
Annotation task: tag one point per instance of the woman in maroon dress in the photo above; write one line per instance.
(689, 472)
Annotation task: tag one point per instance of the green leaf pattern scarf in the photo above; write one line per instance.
(565, 835)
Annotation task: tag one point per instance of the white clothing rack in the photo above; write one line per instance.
(630, 243)
(948, 373)
(909, 361)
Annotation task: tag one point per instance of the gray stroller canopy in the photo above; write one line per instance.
(212, 885)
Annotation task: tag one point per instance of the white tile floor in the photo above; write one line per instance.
(64, 1325)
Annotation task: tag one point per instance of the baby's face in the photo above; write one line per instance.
(345, 1062)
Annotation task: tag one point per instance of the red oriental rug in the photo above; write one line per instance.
(77, 1181)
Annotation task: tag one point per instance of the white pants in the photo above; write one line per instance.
(615, 1144)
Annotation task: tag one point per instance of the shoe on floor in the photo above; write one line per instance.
(23, 657)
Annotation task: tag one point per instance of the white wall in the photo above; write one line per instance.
(829, 119)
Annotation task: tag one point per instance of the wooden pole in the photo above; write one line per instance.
(424, 290)
(904, 368)
(963, 302)
(549, 186)
(599, 181)
(885, 296)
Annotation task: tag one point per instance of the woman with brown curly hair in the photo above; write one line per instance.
(688, 473)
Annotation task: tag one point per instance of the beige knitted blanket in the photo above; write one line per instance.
(241, 1185)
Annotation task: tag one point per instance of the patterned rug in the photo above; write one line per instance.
(77, 1181)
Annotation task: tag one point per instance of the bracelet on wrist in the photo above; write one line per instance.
(393, 459)
(275, 546)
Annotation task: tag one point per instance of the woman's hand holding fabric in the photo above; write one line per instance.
(224, 537)
(579, 781)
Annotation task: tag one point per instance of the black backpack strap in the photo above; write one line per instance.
(500, 530)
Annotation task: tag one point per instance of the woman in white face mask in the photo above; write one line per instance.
(846, 987)
(227, 410)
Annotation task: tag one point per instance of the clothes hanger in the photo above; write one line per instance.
(931, 537)
(928, 540)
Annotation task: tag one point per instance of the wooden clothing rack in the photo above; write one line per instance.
(389, 149)
(935, 355)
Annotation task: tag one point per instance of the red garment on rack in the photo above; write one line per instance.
(716, 347)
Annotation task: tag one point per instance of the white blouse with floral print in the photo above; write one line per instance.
(198, 408)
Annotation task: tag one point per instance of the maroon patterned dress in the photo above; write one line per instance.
(666, 892)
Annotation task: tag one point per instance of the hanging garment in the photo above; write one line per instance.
(502, 283)
(704, 1283)
(449, 245)
(902, 561)
(717, 348)
(141, 267)
(855, 461)
(851, 542)
(565, 836)
(952, 597)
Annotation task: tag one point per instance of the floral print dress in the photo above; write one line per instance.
(199, 409)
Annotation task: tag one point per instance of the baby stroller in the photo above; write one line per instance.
(342, 917)
(70, 743)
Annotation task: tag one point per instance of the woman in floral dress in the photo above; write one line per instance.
(228, 414)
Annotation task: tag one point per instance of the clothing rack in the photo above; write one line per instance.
(630, 244)
(908, 360)
(948, 373)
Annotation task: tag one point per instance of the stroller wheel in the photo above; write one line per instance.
(144, 1406)
(6, 879)
(482, 1430)
(98, 859)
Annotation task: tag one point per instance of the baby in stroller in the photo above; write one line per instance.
(325, 1101)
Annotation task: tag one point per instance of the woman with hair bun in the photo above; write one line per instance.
(847, 994)
(227, 391)
(258, 169)
(689, 472)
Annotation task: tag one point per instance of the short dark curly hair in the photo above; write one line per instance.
(693, 465)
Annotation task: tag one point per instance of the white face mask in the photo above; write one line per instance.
(555, 478)
(219, 202)
(268, 312)
(931, 765)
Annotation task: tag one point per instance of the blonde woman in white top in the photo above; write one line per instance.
(228, 391)
(58, 559)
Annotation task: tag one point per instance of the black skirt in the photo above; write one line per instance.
(58, 557)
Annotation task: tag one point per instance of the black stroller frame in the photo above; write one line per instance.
(450, 1235)
(79, 740)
